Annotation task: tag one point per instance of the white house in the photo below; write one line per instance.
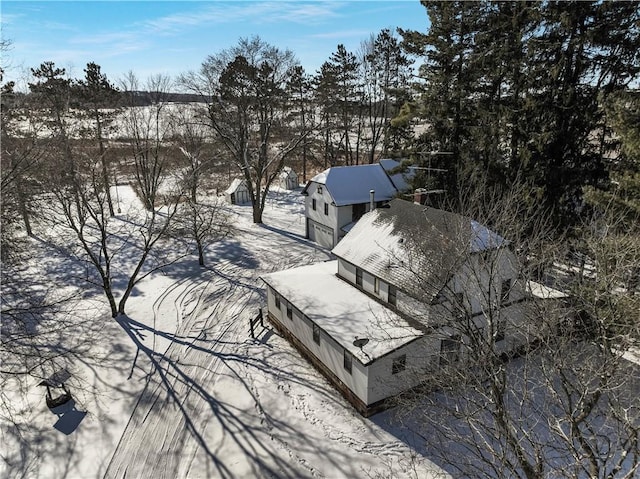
(288, 179)
(339, 196)
(237, 193)
(378, 318)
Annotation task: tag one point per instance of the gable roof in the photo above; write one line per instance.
(401, 179)
(413, 247)
(349, 185)
(287, 172)
(235, 185)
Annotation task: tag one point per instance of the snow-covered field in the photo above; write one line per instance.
(182, 390)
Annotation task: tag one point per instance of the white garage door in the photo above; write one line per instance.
(323, 235)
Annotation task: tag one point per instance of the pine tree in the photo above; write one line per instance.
(385, 70)
(445, 100)
(515, 90)
(99, 97)
(300, 91)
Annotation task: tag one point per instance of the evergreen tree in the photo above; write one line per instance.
(300, 91)
(325, 87)
(516, 90)
(246, 86)
(339, 94)
(385, 70)
(445, 91)
(99, 97)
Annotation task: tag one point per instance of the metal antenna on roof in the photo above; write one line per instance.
(423, 191)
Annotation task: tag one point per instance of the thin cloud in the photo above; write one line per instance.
(265, 12)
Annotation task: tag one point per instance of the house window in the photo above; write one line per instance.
(505, 289)
(348, 361)
(357, 211)
(449, 350)
(289, 311)
(326, 209)
(399, 364)
(359, 277)
(316, 334)
(376, 285)
(313, 204)
(278, 301)
(392, 295)
(319, 190)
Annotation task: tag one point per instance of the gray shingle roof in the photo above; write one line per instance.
(413, 247)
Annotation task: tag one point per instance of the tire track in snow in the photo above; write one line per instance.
(166, 436)
(158, 446)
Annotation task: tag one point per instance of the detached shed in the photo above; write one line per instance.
(237, 193)
(288, 179)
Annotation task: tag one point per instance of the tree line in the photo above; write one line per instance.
(526, 115)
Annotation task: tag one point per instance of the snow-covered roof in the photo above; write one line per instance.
(400, 179)
(342, 311)
(414, 247)
(287, 172)
(350, 185)
(538, 290)
(235, 185)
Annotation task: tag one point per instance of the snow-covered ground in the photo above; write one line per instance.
(182, 390)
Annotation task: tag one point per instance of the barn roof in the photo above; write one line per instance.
(414, 247)
(342, 311)
(287, 172)
(349, 185)
(401, 179)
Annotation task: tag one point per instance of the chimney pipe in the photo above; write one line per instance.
(372, 202)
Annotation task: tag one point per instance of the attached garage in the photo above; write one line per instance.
(321, 234)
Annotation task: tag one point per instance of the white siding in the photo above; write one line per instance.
(317, 215)
(347, 271)
(343, 218)
(328, 351)
(338, 217)
(422, 356)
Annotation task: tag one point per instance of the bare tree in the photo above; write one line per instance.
(566, 401)
(147, 126)
(76, 207)
(21, 150)
(191, 136)
(246, 89)
(203, 222)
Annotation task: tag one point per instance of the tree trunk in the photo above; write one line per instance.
(22, 206)
(200, 252)
(103, 161)
(257, 213)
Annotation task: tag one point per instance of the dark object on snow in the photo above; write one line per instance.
(56, 381)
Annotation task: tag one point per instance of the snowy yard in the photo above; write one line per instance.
(179, 388)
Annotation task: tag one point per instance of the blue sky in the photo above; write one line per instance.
(150, 37)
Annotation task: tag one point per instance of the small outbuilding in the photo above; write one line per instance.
(237, 193)
(288, 179)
